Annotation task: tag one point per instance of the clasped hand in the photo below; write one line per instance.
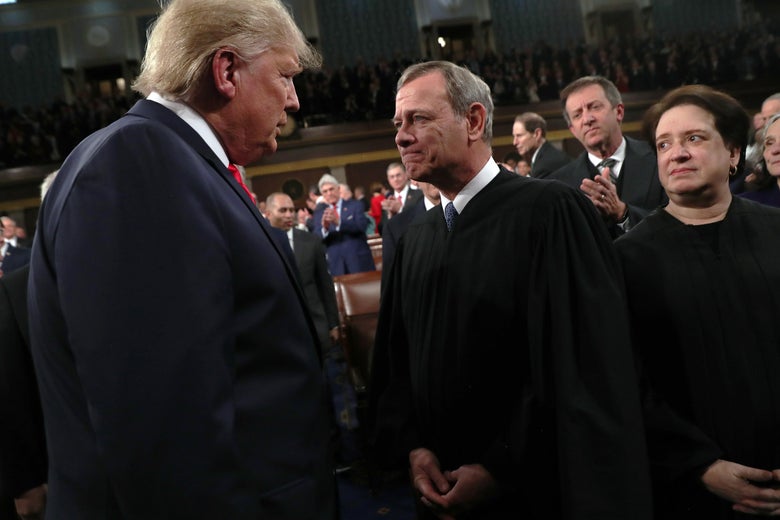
(752, 491)
(450, 493)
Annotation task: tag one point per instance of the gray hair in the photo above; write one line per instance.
(47, 182)
(610, 91)
(185, 37)
(327, 179)
(463, 89)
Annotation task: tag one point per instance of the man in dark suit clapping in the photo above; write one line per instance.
(619, 174)
(341, 224)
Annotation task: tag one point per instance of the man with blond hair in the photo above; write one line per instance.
(176, 356)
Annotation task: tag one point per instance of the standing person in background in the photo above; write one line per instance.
(703, 285)
(503, 385)
(341, 225)
(396, 227)
(767, 177)
(401, 194)
(375, 209)
(183, 384)
(529, 135)
(23, 459)
(619, 174)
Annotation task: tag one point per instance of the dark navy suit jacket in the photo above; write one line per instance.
(177, 362)
(638, 185)
(15, 257)
(347, 248)
(22, 444)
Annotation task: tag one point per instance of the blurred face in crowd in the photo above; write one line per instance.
(693, 159)
(281, 212)
(9, 227)
(768, 109)
(397, 178)
(345, 192)
(525, 142)
(772, 149)
(523, 168)
(431, 138)
(330, 192)
(594, 121)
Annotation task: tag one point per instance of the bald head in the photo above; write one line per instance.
(280, 211)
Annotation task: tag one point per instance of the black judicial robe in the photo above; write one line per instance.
(706, 324)
(505, 342)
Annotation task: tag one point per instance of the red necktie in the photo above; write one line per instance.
(237, 176)
(336, 209)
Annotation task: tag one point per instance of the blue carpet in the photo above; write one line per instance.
(393, 500)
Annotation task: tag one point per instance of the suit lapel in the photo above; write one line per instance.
(157, 112)
(634, 181)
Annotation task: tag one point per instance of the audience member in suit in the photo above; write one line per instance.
(401, 194)
(8, 228)
(767, 183)
(529, 135)
(310, 257)
(184, 383)
(397, 226)
(628, 190)
(503, 375)
(12, 258)
(341, 224)
(23, 454)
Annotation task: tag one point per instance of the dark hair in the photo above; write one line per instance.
(610, 92)
(731, 120)
(531, 121)
(512, 156)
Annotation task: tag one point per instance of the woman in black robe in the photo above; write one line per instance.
(703, 282)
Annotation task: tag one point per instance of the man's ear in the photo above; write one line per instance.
(476, 118)
(224, 72)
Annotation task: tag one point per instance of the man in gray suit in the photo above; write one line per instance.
(619, 174)
(313, 269)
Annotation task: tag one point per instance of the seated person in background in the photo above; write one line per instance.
(767, 173)
(703, 283)
(341, 224)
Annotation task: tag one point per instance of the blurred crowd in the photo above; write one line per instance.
(365, 91)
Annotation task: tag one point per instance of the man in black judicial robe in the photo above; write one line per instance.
(502, 367)
(704, 302)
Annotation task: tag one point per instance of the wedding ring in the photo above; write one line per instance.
(602, 196)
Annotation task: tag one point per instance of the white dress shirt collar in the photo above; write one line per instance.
(196, 121)
(475, 185)
(619, 155)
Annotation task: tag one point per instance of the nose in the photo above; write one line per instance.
(292, 104)
(402, 137)
(679, 152)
